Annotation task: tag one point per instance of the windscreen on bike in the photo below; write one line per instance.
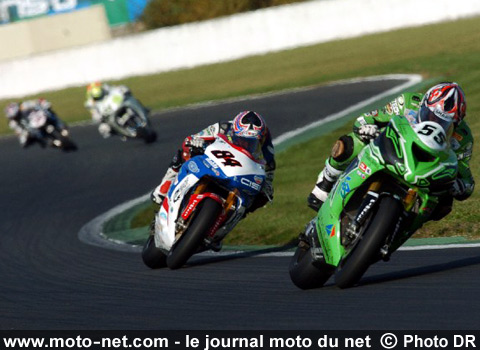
(425, 114)
(251, 144)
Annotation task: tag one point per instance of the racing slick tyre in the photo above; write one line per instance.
(205, 216)
(153, 257)
(367, 250)
(307, 273)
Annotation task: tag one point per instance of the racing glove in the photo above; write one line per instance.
(197, 142)
(367, 132)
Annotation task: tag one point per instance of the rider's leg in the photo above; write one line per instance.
(343, 152)
(160, 192)
(105, 130)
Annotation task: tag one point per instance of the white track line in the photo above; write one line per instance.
(412, 79)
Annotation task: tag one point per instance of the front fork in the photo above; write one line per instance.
(227, 206)
(368, 204)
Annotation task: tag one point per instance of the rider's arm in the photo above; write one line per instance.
(90, 105)
(405, 104)
(210, 132)
(269, 153)
(198, 140)
(462, 144)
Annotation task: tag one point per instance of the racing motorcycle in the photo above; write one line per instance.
(46, 128)
(126, 116)
(210, 196)
(388, 192)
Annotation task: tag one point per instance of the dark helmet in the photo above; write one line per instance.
(248, 130)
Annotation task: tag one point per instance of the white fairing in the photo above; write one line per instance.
(165, 222)
(432, 135)
(247, 165)
(37, 119)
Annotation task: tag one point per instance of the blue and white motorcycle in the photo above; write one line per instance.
(209, 197)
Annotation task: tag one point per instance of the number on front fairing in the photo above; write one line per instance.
(228, 157)
(428, 129)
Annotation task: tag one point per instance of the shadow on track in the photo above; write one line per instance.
(420, 271)
(204, 260)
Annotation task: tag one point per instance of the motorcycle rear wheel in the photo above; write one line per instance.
(367, 250)
(193, 236)
(305, 272)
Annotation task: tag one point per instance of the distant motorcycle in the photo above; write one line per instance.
(126, 116)
(47, 129)
(210, 196)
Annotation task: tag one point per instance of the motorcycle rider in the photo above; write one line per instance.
(96, 92)
(247, 130)
(18, 114)
(445, 100)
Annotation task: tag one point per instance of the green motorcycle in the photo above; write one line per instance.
(387, 192)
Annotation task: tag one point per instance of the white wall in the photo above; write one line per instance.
(49, 33)
(223, 39)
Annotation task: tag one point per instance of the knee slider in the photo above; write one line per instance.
(342, 149)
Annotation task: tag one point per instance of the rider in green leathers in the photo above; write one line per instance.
(445, 100)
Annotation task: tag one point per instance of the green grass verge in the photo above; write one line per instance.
(450, 50)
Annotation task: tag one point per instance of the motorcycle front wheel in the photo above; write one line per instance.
(367, 250)
(205, 216)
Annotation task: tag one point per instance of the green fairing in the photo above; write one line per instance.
(407, 105)
(390, 155)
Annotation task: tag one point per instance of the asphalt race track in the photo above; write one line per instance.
(52, 280)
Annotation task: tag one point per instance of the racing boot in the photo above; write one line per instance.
(326, 179)
(309, 240)
(105, 130)
(160, 192)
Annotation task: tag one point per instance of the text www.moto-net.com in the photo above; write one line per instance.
(387, 341)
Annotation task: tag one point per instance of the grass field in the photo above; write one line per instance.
(448, 51)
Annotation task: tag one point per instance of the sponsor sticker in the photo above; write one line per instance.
(330, 230)
(193, 167)
(364, 167)
(345, 188)
(258, 179)
(362, 175)
(251, 184)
